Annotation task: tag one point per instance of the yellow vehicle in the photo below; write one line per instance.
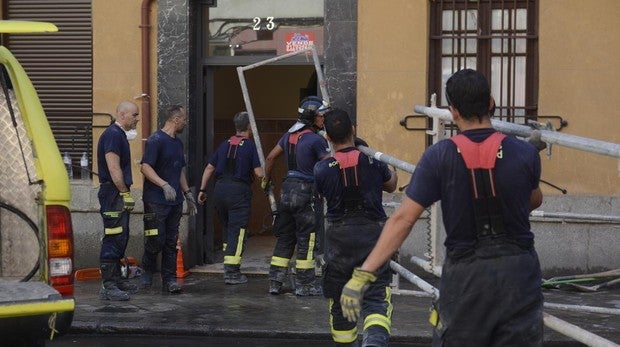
(36, 236)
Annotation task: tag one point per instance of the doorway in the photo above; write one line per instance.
(275, 92)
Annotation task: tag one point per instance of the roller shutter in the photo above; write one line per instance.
(60, 66)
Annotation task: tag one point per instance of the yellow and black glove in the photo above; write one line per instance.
(353, 293)
(266, 184)
(128, 203)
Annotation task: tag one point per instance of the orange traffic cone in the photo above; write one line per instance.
(181, 272)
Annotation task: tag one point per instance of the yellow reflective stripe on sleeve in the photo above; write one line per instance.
(378, 319)
(151, 232)
(279, 262)
(305, 264)
(232, 260)
(113, 231)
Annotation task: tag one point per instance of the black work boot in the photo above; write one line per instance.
(109, 289)
(123, 283)
(309, 289)
(171, 287)
(233, 275)
(275, 287)
(277, 277)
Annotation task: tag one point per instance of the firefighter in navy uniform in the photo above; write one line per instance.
(295, 224)
(165, 187)
(233, 164)
(114, 163)
(352, 184)
(490, 292)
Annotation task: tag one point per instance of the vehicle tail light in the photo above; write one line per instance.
(60, 248)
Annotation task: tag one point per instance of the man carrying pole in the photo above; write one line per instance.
(488, 184)
(295, 224)
(352, 184)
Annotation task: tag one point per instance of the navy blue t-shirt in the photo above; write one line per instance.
(164, 154)
(245, 162)
(114, 140)
(441, 175)
(310, 148)
(372, 175)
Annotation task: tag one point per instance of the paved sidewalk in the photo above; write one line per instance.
(207, 307)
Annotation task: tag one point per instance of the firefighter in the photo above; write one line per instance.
(165, 187)
(352, 184)
(114, 162)
(488, 183)
(295, 223)
(233, 164)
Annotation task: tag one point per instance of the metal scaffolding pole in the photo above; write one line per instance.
(250, 111)
(575, 216)
(551, 137)
(388, 159)
(559, 325)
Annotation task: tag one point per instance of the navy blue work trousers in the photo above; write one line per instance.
(115, 224)
(161, 231)
(233, 202)
(348, 243)
(491, 296)
(295, 227)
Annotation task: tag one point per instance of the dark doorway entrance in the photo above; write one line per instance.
(275, 92)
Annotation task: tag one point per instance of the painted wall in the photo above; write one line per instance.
(579, 74)
(578, 51)
(116, 64)
(392, 69)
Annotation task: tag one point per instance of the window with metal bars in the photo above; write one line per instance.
(498, 38)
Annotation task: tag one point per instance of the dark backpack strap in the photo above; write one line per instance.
(231, 154)
(352, 196)
(292, 144)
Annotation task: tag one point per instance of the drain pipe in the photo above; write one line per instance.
(145, 26)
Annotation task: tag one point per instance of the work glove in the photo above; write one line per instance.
(266, 184)
(535, 140)
(191, 203)
(169, 193)
(128, 203)
(353, 293)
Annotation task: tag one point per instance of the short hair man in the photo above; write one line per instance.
(352, 184)
(165, 185)
(488, 184)
(233, 164)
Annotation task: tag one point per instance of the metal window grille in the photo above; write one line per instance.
(498, 38)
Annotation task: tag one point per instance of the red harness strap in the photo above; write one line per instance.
(480, 161)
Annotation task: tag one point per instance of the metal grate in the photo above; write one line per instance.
(498, 38)
(60, 67)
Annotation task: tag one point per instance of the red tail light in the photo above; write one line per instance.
(60, 248)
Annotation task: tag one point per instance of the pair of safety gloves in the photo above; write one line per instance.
(171, 195)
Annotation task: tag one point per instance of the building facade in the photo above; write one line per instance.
(547, 60)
